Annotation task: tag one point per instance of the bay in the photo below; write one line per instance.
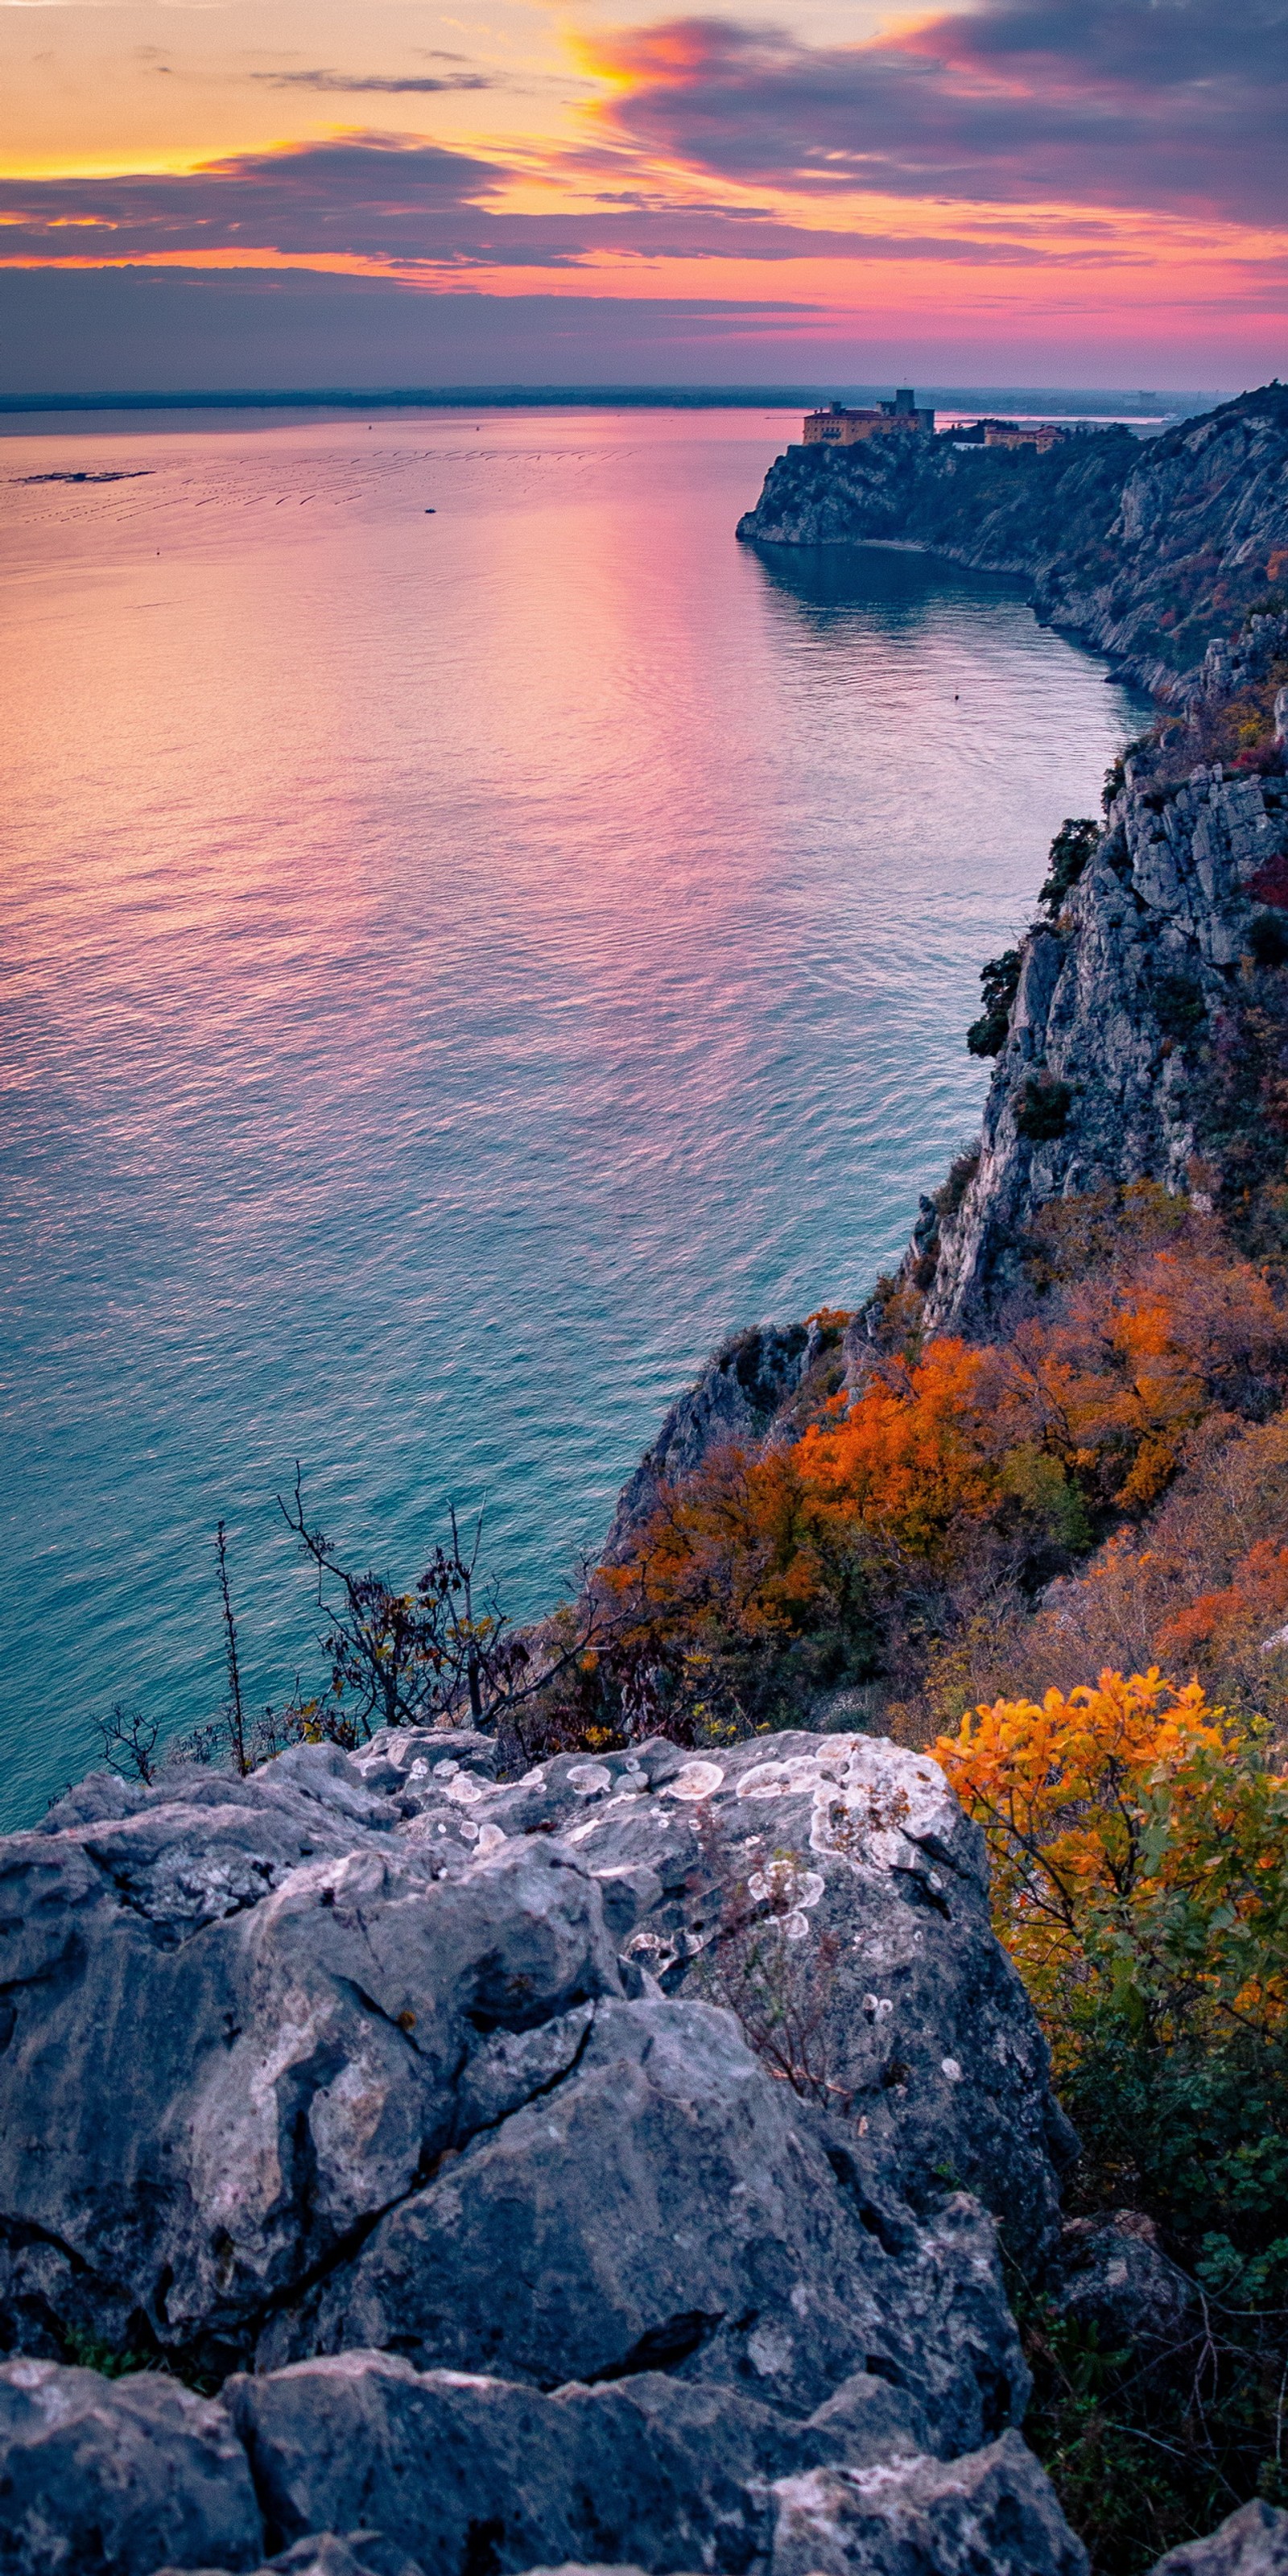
(473, 935)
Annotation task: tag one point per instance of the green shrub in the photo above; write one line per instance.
(1073, 846)
(1000, 982)
(1178, 1004)
(1043, 1113)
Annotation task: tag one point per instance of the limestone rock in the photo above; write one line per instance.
(862, 1891)
(300, 2062)
(240, 2019)
(1251, 2542)
(431, 2085)
(671, 2207)
(645, 2468)
(1144, 960)
(1112, 2274)
(114, 2478)
(994, 2514)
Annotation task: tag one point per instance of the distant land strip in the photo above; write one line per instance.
(1169, 406)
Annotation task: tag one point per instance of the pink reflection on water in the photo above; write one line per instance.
(455, 967)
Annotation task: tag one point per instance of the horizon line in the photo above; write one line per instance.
(637, 397)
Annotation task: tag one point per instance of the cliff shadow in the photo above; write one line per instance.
(836, 589)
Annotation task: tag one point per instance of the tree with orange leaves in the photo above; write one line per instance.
(1131, 1826)
(911, 1461)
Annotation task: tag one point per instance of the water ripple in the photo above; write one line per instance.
(455, 968)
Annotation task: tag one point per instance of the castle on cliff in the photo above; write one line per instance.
(836, 425)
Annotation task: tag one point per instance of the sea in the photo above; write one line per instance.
(474, 935)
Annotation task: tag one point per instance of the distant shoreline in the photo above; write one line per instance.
(1057, 400)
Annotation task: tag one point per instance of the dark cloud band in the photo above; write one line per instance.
(1161, 104)
(414, 204)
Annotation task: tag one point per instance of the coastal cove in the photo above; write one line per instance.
(483, 958)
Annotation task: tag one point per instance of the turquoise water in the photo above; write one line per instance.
(455, 968)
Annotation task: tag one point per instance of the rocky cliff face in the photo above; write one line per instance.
(418, 2095)
(1142, 549)
(1122, 1011)
(742, 1388)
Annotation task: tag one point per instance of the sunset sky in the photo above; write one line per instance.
(1027, 191)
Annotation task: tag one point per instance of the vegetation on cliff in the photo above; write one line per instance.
(969, 1541)
(1139, 1843)
(911, 1520)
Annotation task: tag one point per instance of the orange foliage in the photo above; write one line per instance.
(1258, 1592)
(1126, 1368)
(736, 1541)
(912, 1459)
(954, 1472)
(1107, 1388)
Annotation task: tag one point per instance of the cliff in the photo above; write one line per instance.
(1134, 1040)
(1139, 1024)
(746, 1386)
(1142, 550)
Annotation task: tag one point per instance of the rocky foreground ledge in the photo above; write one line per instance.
(403, 2111)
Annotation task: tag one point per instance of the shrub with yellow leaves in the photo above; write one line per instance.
(1139, 1848)
(1132, 1828)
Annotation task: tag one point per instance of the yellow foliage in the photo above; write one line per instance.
(1129, 1823)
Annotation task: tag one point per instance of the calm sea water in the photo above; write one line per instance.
(455, 968)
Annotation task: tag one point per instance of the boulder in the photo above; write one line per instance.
(993, 2514)
(292, 2060)
(576, 2157)
(1113, 2274)
(114, 2477)
(667, 2205)
(241, 2016)
(1251, 2542)
(459, 2469)
(828, 1886)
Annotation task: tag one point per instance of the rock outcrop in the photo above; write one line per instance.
(379, 2470)
(417, 2095)
(1096, 1083)
(741, 1390)
(1125, 542)
(1119, 1004)
(1251, 2542)
(98, 2475)
(986, 2516)
(1112, 2278)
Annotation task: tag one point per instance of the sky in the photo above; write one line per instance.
(376, 192)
